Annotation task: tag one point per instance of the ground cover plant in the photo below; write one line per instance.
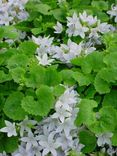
(58, 77)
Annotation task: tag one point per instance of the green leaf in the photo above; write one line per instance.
(75, 153)
(89, 140)
(45, 99)
(39, 7)
(18, 74)
(12, 107)
(77, 61)
(41, 106)
(111, 60)
(93, 61)
(1, 143)
(114, 138)
(82, 79)
(30, 105)
(100, 85)
(37, 31)
(52, 77)
(58, 90)
(110, 99)
(18, 60)
(108, 75)
(28, 48)
(67, 79)
(4, 77)
(10, 144)
(102, 16)
(106, 122)
(90, 92)
(86, 114)
(9, 32)
(59, 15)
(35, 76)
(110, 40)
(5, 56)
(101, 5)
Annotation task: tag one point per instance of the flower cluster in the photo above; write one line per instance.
(86, 26)
(89, 28)
(48, 52)
(113, 12)
(56, 134)
(12, 11)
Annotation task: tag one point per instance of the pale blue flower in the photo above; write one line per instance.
(9, 129)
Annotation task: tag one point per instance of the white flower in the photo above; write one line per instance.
(12, 11)
(61, 114)
(61, 1)
(44, 60)
(30, 140)
(76, 145)
(5, 20)
(104, 28)
(74, 113)
(87, 48)
(58, 28)
(43, 41)
(37, 150)
(75, 28)
(66, 52)
(71, 22)
(80, 30)
(57, 53)
(71, 48)
(26, 125)
(68, 99)
(9, 129)
(49, 144)
(111, 151)
(22, 15)
(113, 12)
(23, 152)
(50, 123)
(89, 19)
(3, 154)
(104, 138)
(65, 142)
(66, 127)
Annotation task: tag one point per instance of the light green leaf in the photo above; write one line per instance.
(18, 74)
(111, 60)
(106, 121)
(86, 114)
(101, 5)
(108, 74)
(45, 99)
(35, 76)
(12, 107)
(17, 60)
(100, 85)
(30, 105)
(52, 76)
(43, 105)
(82, 79)
(67, 77)
(28, 48)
